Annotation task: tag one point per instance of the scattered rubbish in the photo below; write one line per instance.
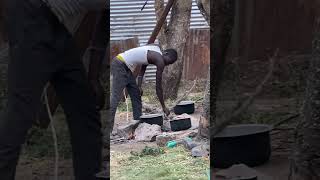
(174, 143)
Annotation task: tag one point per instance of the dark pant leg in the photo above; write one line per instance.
(30, 67)
(78, 101)
(135, 96)
(83, 119)
(119, 82)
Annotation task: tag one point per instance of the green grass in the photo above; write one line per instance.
(40, 141)
(122, 107)
(171, 164)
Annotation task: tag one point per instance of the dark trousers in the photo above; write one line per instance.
(122, 78)
(42, 51)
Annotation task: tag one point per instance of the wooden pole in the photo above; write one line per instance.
(159, 24)
(156, 31)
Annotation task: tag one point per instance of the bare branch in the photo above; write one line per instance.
(243, 106)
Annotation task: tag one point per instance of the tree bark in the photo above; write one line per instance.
(174, 35)
(306, 160)
(223, 20)
(204, 7)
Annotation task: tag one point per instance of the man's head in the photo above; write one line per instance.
(170, 56)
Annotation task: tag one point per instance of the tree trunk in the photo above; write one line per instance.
(223, 20)
(174, 35)
(204, 7)
(306, 161)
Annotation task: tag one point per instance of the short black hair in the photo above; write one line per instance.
(172, 53)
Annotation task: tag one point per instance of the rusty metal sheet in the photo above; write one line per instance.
(264, 26)
(119, 46)
(197, 54)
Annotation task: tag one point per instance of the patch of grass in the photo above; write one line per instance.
(147, 151)
(122, 107)
(171, 164)
(40, 141)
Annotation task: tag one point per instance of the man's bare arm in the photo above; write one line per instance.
(159, 90)
(141, 74)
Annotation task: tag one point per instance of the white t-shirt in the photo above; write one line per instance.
(138, 56)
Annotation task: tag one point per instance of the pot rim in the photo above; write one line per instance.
(182, 119)
(264, 128)
(148, 116)
(183, 103)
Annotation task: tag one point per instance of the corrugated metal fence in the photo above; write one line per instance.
(128, 21)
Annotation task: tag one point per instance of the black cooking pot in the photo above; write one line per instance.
(184, 107)
(247, 144)
(152, 119)
(179, 124)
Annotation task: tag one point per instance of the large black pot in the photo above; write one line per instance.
(152, 119)
(247, 144)
(179, 124)
(184, 107)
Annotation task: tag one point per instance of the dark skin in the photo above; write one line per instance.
(160, 61)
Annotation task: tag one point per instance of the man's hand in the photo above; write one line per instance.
(166, 111)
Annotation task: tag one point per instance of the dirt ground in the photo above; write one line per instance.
(277, 168)
(269, 108)
(42, 169)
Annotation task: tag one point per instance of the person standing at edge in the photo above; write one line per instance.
(122, 68)
(42, 50)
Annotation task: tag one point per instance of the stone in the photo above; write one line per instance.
(204, 127)
(127, 131)
(147, 132)
(162, 139)
(200, 151)
(190, 144)
(166, 126)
